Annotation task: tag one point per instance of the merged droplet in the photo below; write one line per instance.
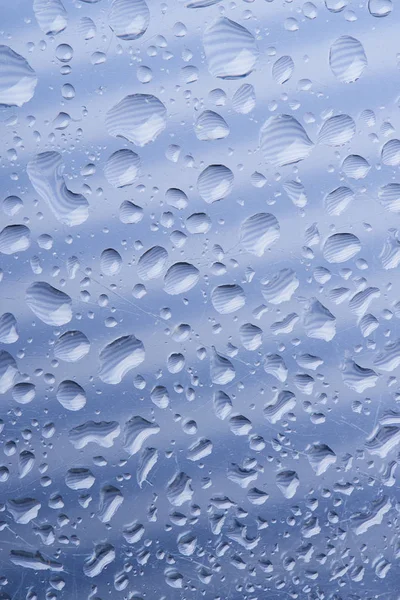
(102, 433)
(320, 457)
(50, 305)
(259, 232)
(45, 173)
(282, 404)
(358, 378)
(136, 432)
(179, 489)
(222, 370)
(250, 336)
(102, 555)
(318, 321)
(280, 287)
(287, 482)
(119, 357)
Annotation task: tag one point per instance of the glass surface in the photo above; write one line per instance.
(199, 299)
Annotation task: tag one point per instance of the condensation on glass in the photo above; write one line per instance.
(199, 299)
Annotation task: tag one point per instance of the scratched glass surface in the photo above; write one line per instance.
(199, 299)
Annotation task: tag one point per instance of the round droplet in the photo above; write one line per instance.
(129, 19)
(211, 126)
(50, 305)
(72, 346)
(389, 197)
(380, 8)
(390, 154)
(283, 141)
(336, 5)
(17, 79)
(68, 91)
(14, 238)
(12, 205)
(152, 263)
(176, 198)
(356, 167)
(51, 16)
(24, 393)
(347, 59)
(215, 183)
(87, 28)
(180, 278)
(8, 329)
(310, 10)
(283, 69)
(259, 232)
(198, 223)
(71, 395)
(130, 212)
(64, 53)
(139, 118)
(227, 299)
(244, 99)
(110, 262)
(231, 50)
(122, 168)
(8, 371)
(144, 74)
(341, 247)
(338, 200)
(337, 131)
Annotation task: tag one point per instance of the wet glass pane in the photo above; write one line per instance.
(199, 299)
